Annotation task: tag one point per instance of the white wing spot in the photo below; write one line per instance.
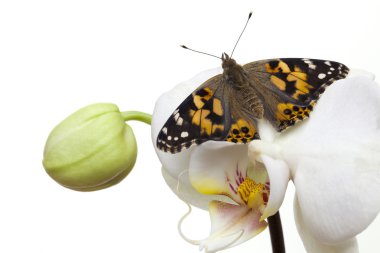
(328, 63)
(179, 121)
(176, 116)
(165, 130)
(309, 63)
(321, 75)
(176, 138)
(332, 69)
(184, 134)
(329, 73)
(169, 138)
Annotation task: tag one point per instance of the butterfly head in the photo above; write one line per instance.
(232, 72)
(227, 61)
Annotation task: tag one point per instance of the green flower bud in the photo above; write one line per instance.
(91, 149)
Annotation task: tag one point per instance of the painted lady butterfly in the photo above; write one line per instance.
(227, 106)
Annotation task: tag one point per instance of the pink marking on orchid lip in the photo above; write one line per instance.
(239, 176)
(237, 182)
(265, 197)
(232, 188)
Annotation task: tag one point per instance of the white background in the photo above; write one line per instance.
(58, 56)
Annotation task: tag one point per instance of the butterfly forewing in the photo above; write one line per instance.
(200, 117)
(290, 87)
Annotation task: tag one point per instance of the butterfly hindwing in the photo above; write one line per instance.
(241, 131)
(290, 87)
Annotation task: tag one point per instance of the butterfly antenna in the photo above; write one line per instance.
(185, 47)
(249, 16)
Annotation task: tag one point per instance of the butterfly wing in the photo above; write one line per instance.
(290, 87)
(243, 122)
(202, 116)
(209, 113)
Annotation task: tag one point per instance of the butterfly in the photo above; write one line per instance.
(227, 106)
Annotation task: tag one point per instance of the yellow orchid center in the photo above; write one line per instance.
(251, 193)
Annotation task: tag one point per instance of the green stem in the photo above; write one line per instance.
(135, 115)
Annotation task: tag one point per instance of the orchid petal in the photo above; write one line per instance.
(335, 161)
(216, 167)
(315, 246)
(361, 73)
(268, 154)
(182, 187)
(231, 225)
(278, 173)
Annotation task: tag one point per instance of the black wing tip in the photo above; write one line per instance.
(344, 71)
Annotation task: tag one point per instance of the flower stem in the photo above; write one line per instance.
(136, 115)
(276, 235)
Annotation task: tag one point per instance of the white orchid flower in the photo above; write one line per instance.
(333, 159)
(334, 162)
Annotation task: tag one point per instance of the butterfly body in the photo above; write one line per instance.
(227, 106)
(235, 76)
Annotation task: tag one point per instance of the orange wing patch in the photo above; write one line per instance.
(200, 119)
(242, 132)
(302, 87)
(295, 82)
(217, 107)
(201, 97)
(207, 113)
(280, 66)
(281, 84)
